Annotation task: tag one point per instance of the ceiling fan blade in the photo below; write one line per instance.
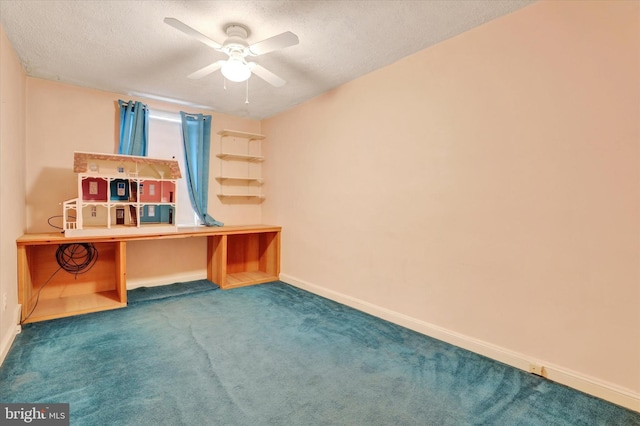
(178, 25)
(267, 75)
(207, 70)
(274, 43)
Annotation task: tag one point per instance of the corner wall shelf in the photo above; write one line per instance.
(240, 169)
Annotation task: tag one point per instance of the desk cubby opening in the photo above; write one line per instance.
(53, 292)
(246, 259)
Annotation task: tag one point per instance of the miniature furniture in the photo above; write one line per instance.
(236, 256)
(124, 194)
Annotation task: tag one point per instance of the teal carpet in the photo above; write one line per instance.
(190, 354)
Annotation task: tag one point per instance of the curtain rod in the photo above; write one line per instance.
(171, 101)
(156, 111)
(171, 116)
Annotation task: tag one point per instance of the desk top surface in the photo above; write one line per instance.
(183, 232)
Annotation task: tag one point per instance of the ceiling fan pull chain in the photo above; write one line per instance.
(224, 83)
(246, 100)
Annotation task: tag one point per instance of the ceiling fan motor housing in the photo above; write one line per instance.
(236, 38)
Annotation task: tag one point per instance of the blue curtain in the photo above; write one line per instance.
(196, 135)
(134, 128)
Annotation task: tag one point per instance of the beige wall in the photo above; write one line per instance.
(12, 189)
(486, 188)
(62, 119)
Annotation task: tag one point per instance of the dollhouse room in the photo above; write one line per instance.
(390, 213)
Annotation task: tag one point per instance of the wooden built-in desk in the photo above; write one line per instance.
(236, 256)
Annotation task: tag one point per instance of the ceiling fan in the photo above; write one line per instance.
(236, 68)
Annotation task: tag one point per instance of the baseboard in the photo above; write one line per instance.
(590, 385)
(166, 279)
(7, 340)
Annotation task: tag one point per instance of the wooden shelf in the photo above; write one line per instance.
(240, 179)
(241, 279)
(260, 197)
(56, 238)
(75, 305)
(239, 134)
(241, 157)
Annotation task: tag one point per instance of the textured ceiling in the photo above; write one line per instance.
(125, 47)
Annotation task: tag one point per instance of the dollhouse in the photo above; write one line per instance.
(122, 195)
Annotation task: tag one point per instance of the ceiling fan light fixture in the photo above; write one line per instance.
(236, 69)
(237, 48)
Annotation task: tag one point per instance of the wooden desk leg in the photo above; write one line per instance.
(270, 253)
(217, 259)
(24, 283)
(121, 271)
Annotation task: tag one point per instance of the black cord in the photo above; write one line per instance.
(54, 217)
(38, 295)
(76, 258)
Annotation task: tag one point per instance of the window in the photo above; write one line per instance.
(165, 141)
